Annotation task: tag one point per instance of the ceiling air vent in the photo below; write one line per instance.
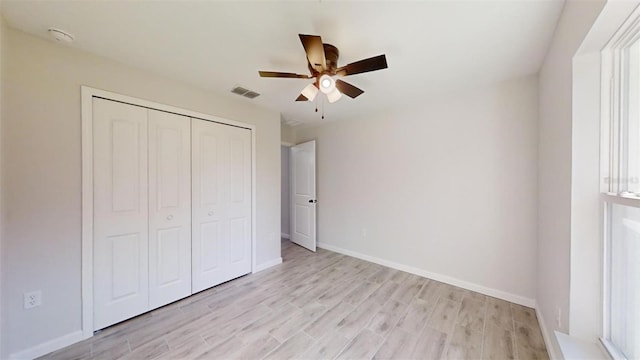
(239, 90)
(251, 95)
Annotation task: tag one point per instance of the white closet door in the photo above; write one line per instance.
(169, 208)
(239, 202)
(121, 279)
(221, 203)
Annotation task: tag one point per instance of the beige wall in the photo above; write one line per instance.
(448, 186)
(554, 165)
(42, 167)
(287, 134)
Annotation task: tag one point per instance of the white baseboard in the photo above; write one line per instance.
(525, 301)
(284, 236)
(268, 264)
(548, 337)
(47, 347)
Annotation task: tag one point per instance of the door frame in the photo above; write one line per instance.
(87, 95)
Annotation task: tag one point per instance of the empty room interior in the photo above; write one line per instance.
(320, 179)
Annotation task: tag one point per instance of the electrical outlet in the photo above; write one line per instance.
(32, 299)
(558, 317)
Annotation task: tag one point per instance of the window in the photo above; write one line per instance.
(624, 275)
(620, 169)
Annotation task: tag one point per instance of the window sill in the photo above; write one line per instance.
(579, 349)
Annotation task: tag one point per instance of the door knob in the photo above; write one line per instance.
(170, 217)
(210, 213)
(313, 201)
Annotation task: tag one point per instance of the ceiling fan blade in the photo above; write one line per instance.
(276, 74)
(371, 64)
(302, 98)
(348, 89)
(315, 51)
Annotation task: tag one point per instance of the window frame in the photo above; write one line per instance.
(613, 171)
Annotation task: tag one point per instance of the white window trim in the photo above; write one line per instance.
(612, 192)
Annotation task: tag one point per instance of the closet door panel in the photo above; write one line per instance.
(169, 207)
(120, 212)
(221, 203)
(239, 202)
(209, 192)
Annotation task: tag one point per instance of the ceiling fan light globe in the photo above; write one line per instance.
(327, 84)
(334, 96)
(310, 92)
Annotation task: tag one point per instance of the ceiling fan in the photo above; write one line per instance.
(323, 65)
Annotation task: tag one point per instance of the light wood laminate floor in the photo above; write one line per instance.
(324, 305)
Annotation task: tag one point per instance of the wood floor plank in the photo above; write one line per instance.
(430, 344)
(451, 292)
(465, 344)
(430, 292)
(499, 313)
(297, 321)
(222, 350)
(189, 348)
(525, 315)
(472, 295)
(409, 289)
(472, 314)
(382, 294)
(399, 277)
(416, 316)
(336, 294)
(110, 350)
(328, 321)
(148, 351)
(160, 328)
(387, 317)
(312, 294)
(217, 333)
(399, 344)
(267, 324)
(80, 352)
(257, 348)
(323, 305)
(294, 347)
(444, 315)
(360, 293)
(363, 346)
(328, 347)
(358, 319)
(498, 343)
(529, 342)
(381, 276)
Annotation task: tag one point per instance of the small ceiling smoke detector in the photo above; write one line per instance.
(60, 36)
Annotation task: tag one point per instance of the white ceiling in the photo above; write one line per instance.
(431, 46)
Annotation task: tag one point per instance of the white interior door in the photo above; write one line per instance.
(221, 203)
(120, 258)
(169, 207)
(303, 194)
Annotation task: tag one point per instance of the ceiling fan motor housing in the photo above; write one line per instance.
(331, 54)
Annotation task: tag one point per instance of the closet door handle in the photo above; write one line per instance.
(170, 217)
(210, 213)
